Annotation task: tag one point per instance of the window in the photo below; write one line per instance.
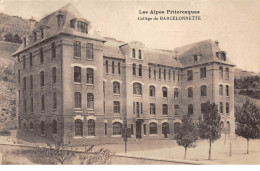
(24, 106)
(190, 109)
(91, 127)
(140, 54)
(173, 76)
(137, 108)
(106, 66)
(105, 129)
(176, 109)
(117, 128)
(164, 74)
(118, 68)
(176, 127)
(54, 75)
(35, 36)
(31, 106)
(78, 128)
(221, 107)
(153, 128)
(189, 75)
(203, 90)
(154, 74)
(77, 98)
(41, 56)
(221, 72)
(54, 98)
(134, 69)
(203, 107)
(90, 101)
(227, 107)
(77, 74)
(203, 72)
(31, 125)
(30, 58)
(116, 87)
(164, 91)
(144, 129)
(152, 109)
(169, 74)
(42, 78)
(132, 129)
(31, 82)
(227, 73)
(19, 97)
(42, 33)
(195, 58)
(24, 62)
(53, 50)
(89, 51)
(221, 90)
(24, 83)
(141, 108)
(176, 93)
(116, 107)
(133, 53)
(82, 27)
(165, 109)
(149, 72)
(137, 89)
(227, 90)
(113, 67)
(140, 70)
(160, 73)
(190, 92)
(77, 49)
(42, 103)
(54, 127)
(152, 91)
(165, 128)
(90, 76)
(133, 107)
(42, 127)
(19, 76)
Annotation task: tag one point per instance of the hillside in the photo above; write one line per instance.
(239, 73)
(14, 25)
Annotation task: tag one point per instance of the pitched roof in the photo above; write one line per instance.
(112, 48)
(206, 48)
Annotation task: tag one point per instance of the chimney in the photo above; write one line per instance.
(60, 18)
(32, 23)
(216, 42)
(25, 41)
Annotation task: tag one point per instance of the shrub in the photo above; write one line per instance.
(4, 131)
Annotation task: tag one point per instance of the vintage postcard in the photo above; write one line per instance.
(87, 82)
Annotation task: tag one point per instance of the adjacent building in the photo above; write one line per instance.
(76, 86)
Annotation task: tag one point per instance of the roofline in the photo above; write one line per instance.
(208, 63)
(59, 33)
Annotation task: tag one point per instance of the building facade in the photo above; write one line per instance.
(76, 86)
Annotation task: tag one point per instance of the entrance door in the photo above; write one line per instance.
(138, 130)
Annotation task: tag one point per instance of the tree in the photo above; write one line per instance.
(209, 124)
(17, 39)
(187, 134)
(248, 122)
(8, 37)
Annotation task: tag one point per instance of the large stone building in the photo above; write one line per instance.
(75, 86)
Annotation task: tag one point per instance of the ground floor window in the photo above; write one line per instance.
(117, 128)
(165, 128)
(91, 127)
(153, 128)
(176, 127)
(144, 129)
(78, 128)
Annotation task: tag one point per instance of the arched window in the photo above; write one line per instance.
(90, 76)
(152, 91)
(117, 128)
(137, 89)
(203, 90)
(90, 101)
(227, 90)
(221, 107)
(228, 124)
(153, 128)
(42, 127)
(176, 93)
(140, 54)
(164, 91)
(176, 127)
(91, 127)
(116, 87)
(31, 125)
(190, 92)
(78, 128)
(54, 127)
(165, 128)
(221, 90)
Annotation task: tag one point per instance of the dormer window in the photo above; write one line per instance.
(221, 55)
(82, 27)
(72, 23)
(196, 58)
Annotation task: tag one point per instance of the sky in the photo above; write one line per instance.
(234, 23)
